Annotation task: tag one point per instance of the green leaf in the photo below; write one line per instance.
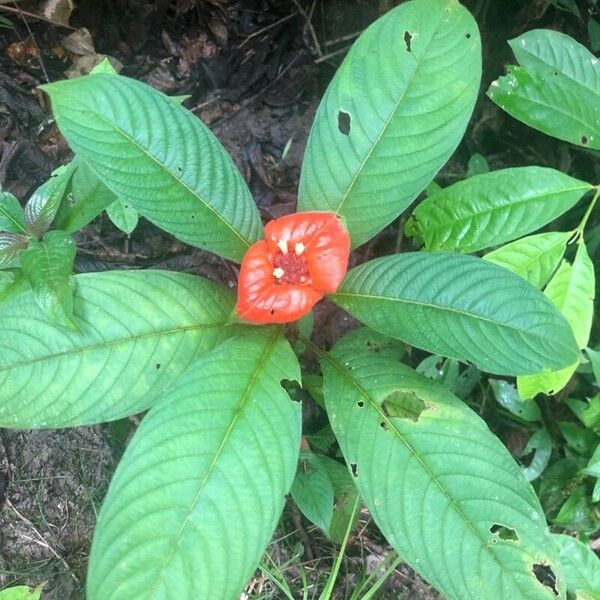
(11, 214)
(177, 173)
(494, 208)
(201, 486)
(594, 356)
(572, 290)
(10, 246)
(393, 114)
(576, 512)
(593, 28)
(593, 466)
(345, 494)
(104, 66)
(507, 397)
(535, 258)
(580, 564)
(578, 438)
(588, 411)
(88, 197)
(540, 443)
(137, 332)
(547, 382)
(478, 165)
(460, 307)
(555, 90)
(12, 283)
(44, 203)
(312, 490)
(22, 592)
(314, 386)
(48, 267)
(441, 482)
(123, 216)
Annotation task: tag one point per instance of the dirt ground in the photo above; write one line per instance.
(254, 71)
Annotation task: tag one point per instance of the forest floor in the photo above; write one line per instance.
(254, 71)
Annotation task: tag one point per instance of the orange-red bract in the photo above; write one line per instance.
(303, 257)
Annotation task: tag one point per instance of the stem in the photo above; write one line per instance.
(588, 212)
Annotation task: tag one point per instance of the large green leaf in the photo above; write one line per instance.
(392, 115)
(137, 332)
(87, 198)
(581, 566)
(155, 154)
(493, 208)
(461, 307)
(555, 90)
(48, 267)
(200, 489)
(443, 490)
(535, 258)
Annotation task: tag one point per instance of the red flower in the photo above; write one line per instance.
(303, 257)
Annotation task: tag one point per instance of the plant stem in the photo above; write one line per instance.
(588, 212)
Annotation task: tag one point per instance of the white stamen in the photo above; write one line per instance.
(278, 273)
(282, 244)
(300, 248)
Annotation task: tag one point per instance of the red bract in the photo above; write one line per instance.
(303, 257)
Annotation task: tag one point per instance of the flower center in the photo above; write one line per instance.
(289, 265)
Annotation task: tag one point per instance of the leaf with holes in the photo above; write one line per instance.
(137, 332)
(123, 216)
(494, 208)
(154, 154)
(87, 198)
(443, 489)
(581, 566)
(43, 205)
(392, 115)
(312, 490)
(460, 307)
(12, 219)
(48, 265)
(535, 258)
(555, 90)
(206, 473)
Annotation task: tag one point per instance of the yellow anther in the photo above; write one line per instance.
(282, 244)
(299, 248)
(278, 273)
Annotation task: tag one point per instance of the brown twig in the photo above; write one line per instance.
(331, 55)
(267, 27)
(37, 48)
(18, 11)
(344, 38)
(309, 25)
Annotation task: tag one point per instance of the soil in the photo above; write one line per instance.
(254, 71)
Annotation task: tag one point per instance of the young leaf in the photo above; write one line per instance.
(580, 564)
(494, 208)
(10, 246)
(312, 490)
(206, 473)
(555, 90)
(21, 592)
(188, 186)
(478, 165)
(123, 216)
(88, 197)
(572, 291)
(535, 258)
(48, 267)
(452, 481)
(392, 115)
(43, 205)
(11, 214)
(137, 332)
(461, 307)
(594, 356)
